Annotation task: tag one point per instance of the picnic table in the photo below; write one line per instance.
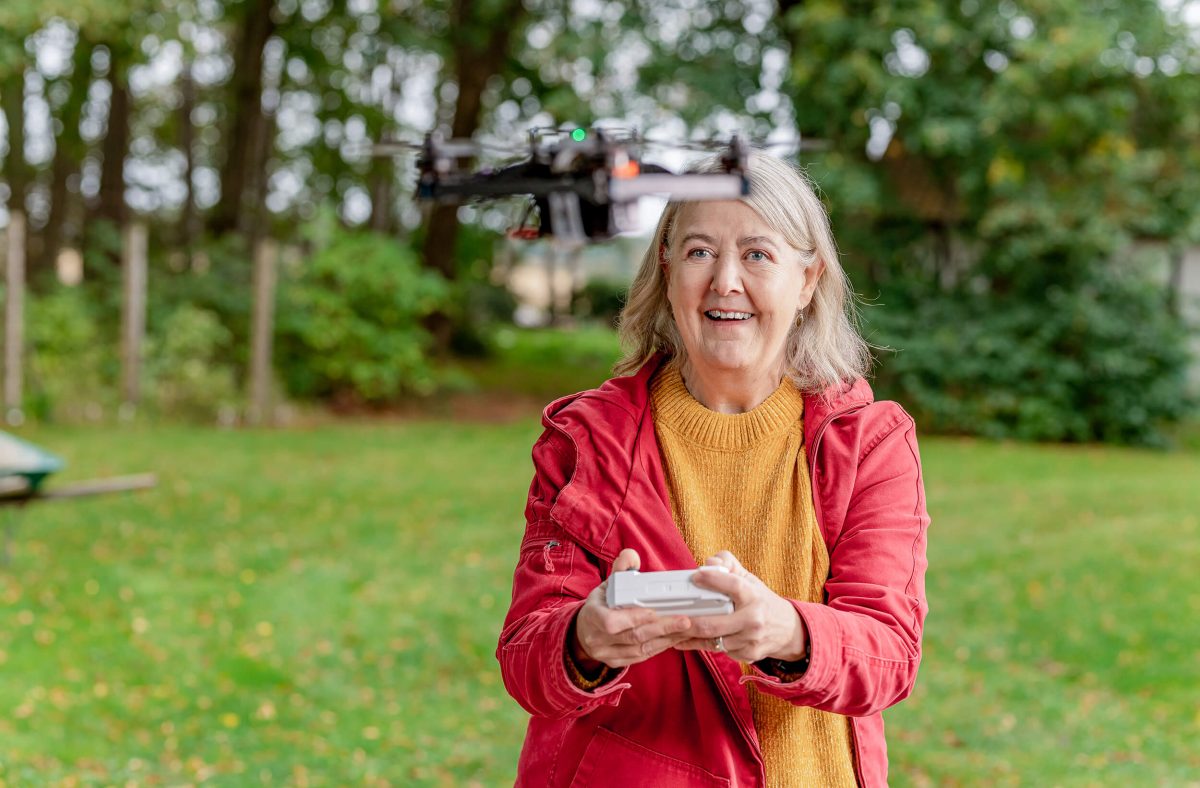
(24, 468)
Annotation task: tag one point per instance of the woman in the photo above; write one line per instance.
(743, 435)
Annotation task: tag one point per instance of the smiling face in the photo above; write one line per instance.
(735, 286)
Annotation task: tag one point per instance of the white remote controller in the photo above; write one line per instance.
(667, 593)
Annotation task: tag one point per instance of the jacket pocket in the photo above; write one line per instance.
(611, 759)
(547, 555)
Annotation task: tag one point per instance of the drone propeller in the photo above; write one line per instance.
(715, 145)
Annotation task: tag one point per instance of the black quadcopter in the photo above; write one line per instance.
(584, 183)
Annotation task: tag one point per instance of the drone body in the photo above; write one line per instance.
(585, 186)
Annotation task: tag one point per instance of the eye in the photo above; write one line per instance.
(698, 254)
(758, 256)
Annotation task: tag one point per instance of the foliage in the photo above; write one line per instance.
(477, 303)
(1104, 362)
(69, 371)
(187, 376)
(543, 364)
(602, 300)
(987, 164)
(245, 611)
(980, 146)
(219, 284)
(349, 322)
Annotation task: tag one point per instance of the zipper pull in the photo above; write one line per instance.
(549, 562)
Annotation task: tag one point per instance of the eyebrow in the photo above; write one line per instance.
(756, 239)
(747, 241)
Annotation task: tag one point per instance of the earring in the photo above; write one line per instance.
(799, 317)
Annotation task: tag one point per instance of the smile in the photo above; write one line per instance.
(717, 314)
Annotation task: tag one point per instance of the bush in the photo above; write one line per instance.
(68, 368)
(349, 321)
(1103, 362)
(601, 300)
(184, 369)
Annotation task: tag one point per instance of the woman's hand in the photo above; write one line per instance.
(762, 624)
(621, 637)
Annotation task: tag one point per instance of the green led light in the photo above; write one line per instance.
(579, 135)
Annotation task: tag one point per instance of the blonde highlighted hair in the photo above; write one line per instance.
(825, 349)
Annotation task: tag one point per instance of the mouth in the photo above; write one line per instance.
(727, 316)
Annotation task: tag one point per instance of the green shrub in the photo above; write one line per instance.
(70, 370)
(222, 286)
(349, 321)
(1104, 362)
(186, 375)
(601, 300)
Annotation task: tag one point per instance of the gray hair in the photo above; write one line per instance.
(825, 349)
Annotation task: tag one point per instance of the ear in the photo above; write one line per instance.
(812, 275)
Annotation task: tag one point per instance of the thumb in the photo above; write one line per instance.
(627, 559)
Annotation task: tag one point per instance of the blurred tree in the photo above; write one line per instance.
(479, 39)
(1006, 156)
(12, 100)
(110, 200)
(245, 152)
(69, 152)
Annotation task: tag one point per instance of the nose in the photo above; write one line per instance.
(727, 275)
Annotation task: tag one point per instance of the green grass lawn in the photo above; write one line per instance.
(321, 606)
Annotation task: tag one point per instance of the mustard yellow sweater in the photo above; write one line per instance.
(740, 483)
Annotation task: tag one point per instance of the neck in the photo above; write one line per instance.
(730, 391)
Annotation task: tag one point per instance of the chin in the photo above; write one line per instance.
(729, 362)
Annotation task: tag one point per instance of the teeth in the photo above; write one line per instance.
(728, 315)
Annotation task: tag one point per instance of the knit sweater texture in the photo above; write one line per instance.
(740, 482)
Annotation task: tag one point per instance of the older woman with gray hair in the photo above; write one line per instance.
(741, 434)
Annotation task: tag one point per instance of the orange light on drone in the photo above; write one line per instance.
(628, 169)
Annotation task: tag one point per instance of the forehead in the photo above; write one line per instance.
(721, 218)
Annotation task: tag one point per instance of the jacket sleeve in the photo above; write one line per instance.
(865, 641)
(554, 575)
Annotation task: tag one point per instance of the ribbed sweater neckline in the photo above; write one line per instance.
(676, 408)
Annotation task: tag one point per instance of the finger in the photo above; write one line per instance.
(727, 560)
(673, 627)
(620, 624)
(627, 559)
(728, 646)
(646, 630)
(695, 644)
(727, 583)
(654, 647)
(718, 560)
(709, 627)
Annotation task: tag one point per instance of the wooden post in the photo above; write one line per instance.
(14, 318)
(262, 331)
(133, 318)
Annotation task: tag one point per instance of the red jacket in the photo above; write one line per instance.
(682, 718)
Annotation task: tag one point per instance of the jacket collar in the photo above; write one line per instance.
(611, 448)
(633, 393)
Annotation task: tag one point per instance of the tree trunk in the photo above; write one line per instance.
(255, 219)
(69, 150)
(481, 47)
(383, 175)
(16, 170)
(110, 202)
(189, 225)
(242, 164)
(1175, 280)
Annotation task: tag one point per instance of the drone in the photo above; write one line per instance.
(585, 184)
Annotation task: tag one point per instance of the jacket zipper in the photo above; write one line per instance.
(546, 558)
(747, 730)
(858, 777)
(546, 545)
